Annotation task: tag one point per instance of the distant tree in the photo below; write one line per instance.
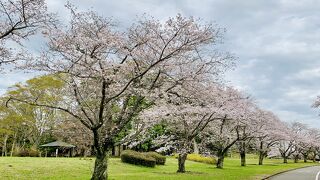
(316, 133)
(291, 137)
(72, 131)
(314, 142)
(186, 111)
(35, 121)
(302, 141)
(223, 133)
(268, 134)
(248, 130)
(10, 124)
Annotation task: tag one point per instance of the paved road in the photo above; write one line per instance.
(310, 173)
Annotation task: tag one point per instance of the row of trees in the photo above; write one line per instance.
(106, 86)
(219, 119)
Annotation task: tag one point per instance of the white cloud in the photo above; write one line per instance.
(305, 74)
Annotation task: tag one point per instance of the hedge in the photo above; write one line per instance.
(199, 158)
(133, 157)
(160, 160)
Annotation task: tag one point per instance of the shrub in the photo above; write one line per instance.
(161, 160)
(133, 157)
(24, 152)
(202, 159)
(33, 152)
(199, 158)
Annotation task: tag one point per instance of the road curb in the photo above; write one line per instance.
(266, 178)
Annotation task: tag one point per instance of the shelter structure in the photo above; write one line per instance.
(60, 145)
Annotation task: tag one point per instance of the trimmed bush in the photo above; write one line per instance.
(133, 157)
(199, 158)
(160, 160)
(202, 159)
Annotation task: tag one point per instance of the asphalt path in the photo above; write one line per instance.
(309, 173)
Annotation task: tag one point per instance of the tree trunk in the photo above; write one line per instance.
(243, 158)
(261, 153)
(296, 158)
(100, 167)
(285, 159)
(101, 163)
(305, 158)
(261, 157)
(314, 157)
(195, 147)
(4, 148)
(13, 144)
(243, 153)
(181, 163)
(220, 160)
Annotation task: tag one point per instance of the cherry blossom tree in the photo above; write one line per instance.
(316, 135)
(222, 134)
(19, 20)
(269, 133)
(111, 76)
(289, 145)
(301, 145)
(187, 110)
(249, 130)
(314, 142)
(306, 142)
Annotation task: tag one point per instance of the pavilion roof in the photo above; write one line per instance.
(58, 144)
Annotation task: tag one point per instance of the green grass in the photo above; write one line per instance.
(74, 168)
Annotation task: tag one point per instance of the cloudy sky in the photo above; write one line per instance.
(277, 43)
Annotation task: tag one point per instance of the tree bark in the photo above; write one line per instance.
(305, 158)
(243, 158)
(222, 152)
(243, 153)
(100, 167)
(296, 158)
(220, 160)
(261, 153)
(181, 163)
(13, 144)
(195, 147)
(4, 148)
(101, 163)
(285, 159)
(261, 157)
(314, 157)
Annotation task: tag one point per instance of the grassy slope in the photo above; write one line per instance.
(73, 168)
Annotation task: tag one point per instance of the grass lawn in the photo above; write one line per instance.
(74, 168)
